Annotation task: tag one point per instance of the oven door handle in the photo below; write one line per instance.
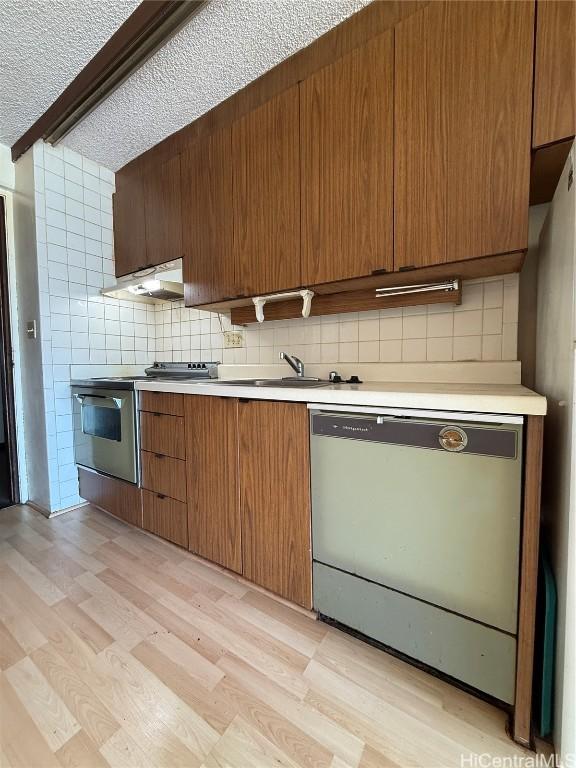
(104, 401)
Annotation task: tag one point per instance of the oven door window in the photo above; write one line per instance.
(102, 419)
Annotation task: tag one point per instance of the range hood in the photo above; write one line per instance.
(150, 286)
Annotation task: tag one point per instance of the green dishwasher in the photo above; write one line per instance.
(416, 535)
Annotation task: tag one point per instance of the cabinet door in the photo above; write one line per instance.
(463, 84)
(275, 497)
(266, 189)
(555, 75)
(129, 224)
(163, 214)
(346, 128)
(212, 479)
(207, 219)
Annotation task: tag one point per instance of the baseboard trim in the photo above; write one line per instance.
(38, 508)
(57, 513)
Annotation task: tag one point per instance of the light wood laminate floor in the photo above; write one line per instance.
(119, 649)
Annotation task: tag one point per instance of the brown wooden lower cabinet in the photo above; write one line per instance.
(165, 517)
(121, 499)
(212, 473)
(248, 473)
(161, 402)
(164, 475)
(274, 462)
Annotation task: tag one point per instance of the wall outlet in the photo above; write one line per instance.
(233, 339)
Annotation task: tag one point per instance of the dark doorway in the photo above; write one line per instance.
(8, 455)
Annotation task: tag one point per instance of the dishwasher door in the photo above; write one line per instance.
(426, 507)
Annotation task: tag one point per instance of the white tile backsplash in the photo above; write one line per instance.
(492, 322)
(492, 347)
(439, 349)
(482, 327)
(414, 326)
(468, 323)
(467, 348)
(391, 351)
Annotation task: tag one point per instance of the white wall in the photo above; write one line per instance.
(568, 726)
(32, 405)
(483, 327)
(6, 168)
(555, 358)
(7, 184)
(527, 298)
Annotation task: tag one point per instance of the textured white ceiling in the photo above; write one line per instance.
(43, 46)
(226, 45)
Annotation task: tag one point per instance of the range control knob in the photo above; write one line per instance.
(354, 380)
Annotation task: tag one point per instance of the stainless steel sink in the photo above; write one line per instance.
(299, 383)
(291, 382)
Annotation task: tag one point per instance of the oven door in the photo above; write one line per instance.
(105, 437)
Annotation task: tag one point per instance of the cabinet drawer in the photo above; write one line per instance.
(165, 517)
(161, 433)
(117, 497)
(164, 474)
(162, 402)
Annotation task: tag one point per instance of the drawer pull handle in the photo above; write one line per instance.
(157, 414)
(158, 455)
(160, 496)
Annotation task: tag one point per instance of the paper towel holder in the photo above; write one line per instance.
(305, 294)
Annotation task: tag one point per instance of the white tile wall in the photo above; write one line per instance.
(81, 332)
(483, 327)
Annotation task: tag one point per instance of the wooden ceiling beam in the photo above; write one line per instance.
(145, 31)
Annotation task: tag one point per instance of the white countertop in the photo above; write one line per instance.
(472, 398)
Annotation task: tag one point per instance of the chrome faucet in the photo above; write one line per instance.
(294, 362)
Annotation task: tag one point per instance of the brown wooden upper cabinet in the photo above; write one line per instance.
(163, 215)
(266, 196)
(410, 150)
(274, 464)
(241, 206)
(347, 145)
(207, 219)
(129, 223)
(463, 84)
(555, 73)
(147, 217)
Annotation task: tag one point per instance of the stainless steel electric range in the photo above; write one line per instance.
(106, 432)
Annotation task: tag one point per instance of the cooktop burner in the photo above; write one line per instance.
(198, 370)
(165, 371)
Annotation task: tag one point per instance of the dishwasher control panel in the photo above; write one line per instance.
(483, 440)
